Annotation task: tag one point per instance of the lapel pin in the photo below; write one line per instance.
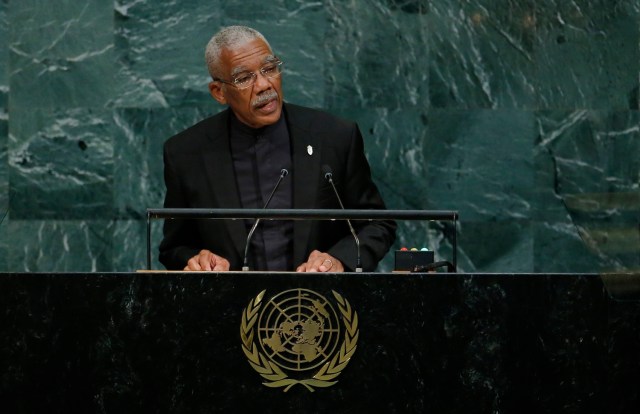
(309, 149)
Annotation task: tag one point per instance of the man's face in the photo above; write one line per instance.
(249, 105)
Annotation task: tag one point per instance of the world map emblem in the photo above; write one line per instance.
(299, 338)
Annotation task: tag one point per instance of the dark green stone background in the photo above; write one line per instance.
(522, 115)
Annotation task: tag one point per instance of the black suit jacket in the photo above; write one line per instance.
(198, 173)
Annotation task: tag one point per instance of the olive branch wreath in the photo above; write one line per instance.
(273, 373)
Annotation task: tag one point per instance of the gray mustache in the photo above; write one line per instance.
(265, 97)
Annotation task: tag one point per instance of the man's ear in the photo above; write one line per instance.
(215, 89)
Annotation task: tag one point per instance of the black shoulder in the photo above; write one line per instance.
(196, 134)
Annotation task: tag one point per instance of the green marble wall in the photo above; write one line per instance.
(521, 114)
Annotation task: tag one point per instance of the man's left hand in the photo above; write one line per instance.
(321, 262)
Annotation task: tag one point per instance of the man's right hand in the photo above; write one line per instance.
(207, 261)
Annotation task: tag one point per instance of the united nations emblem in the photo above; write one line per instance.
(297, 337)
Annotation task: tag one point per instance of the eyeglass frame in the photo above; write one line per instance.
(277, 62)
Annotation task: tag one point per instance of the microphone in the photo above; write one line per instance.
(328, 175)
(245, 264)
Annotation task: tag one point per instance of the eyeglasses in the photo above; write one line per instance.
(246, 79)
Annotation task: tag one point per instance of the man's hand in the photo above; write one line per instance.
(207, 261)
(321, 262)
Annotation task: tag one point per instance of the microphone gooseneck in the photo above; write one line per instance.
(328, 175)
(245, 263)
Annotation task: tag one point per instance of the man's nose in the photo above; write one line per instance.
(262, 82)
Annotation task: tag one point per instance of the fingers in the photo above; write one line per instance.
(221, 265)
(326, 265)
(207, 261)
(313, 262)
(321, 262)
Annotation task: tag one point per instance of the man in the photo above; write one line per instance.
(234, 160)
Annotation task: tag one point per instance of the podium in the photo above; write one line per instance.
(455, 343)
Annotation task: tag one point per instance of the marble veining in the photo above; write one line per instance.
(521, 115)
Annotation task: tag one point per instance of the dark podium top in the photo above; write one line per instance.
(454, 343)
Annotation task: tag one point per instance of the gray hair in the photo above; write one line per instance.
(228, 37)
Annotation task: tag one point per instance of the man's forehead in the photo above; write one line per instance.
(244, 68)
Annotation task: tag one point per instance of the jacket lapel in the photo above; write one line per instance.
(307, 151)
(222, 180)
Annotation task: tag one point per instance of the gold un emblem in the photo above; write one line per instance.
(297, 338)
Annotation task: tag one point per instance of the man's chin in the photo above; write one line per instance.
(268, 118)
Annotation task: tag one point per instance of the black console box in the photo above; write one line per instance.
(409, 259)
